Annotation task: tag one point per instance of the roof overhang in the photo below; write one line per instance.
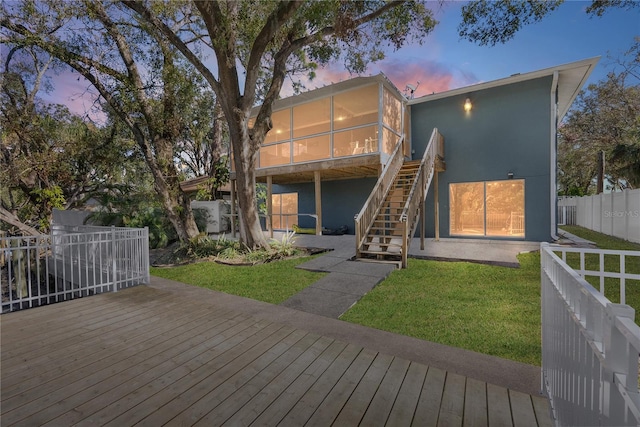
(571, 78)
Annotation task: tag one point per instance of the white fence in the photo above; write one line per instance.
(617, 260)
(590, 350)
(71, 262)
(616, 214)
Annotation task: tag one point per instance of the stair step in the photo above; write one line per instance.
(398, 264)
(383, 245)
(383, 253)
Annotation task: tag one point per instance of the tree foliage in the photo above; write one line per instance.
(605, 117)
(141, 79)
(489, 22)
(255, 45)
(50, 158)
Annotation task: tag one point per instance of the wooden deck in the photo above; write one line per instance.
(154, 355)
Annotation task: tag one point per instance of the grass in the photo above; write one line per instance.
(273, 282)
(491, 310)
(488, 309)
(612, 264)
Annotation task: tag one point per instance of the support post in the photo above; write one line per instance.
(436, 204)
(269, 220)
(114, 266)
(318, 192)
(423, 216)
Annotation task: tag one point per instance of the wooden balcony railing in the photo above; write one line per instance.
(418, 193)
(371, 207)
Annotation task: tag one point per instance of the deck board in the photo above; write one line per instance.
(151, 356)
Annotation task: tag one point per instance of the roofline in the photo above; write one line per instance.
(516, 78)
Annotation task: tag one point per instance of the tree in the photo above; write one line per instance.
(50, 158)
(489, 22)
(141, 79)
(257, 44)
(605, 118)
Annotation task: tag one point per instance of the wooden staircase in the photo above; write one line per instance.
(387, 222)
(383, 242)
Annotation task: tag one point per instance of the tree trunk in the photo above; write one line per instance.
(165, 181)
(244, 159)
(11, 219)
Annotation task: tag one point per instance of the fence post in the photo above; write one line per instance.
(616, 361)
(113, 258)
(145, 256)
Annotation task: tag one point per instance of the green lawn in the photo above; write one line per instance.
(488, 309)
(273, 282)
(491, 310)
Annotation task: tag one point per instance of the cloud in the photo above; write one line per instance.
(433, 76)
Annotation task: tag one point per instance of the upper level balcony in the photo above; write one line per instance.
(346, 130)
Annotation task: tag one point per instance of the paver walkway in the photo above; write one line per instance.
(348, 281)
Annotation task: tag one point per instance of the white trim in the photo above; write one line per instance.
(575, 74)
(553, 155)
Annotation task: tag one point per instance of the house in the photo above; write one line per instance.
(474, 162)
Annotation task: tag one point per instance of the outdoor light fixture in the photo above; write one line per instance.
(510, 175)
(467, 105)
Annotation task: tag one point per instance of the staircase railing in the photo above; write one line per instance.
(409, 217)
(364, 218)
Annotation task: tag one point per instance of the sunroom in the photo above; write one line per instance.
(343, 131)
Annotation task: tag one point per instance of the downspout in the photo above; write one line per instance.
(553, 155)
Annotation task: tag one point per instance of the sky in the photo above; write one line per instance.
(445, 62)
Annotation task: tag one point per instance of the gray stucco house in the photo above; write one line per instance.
(474, 162)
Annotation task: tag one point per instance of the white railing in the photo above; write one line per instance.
(590, 350)
(71, 262)
(617, 260)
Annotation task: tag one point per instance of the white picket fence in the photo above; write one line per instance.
(71, 262)
(615, 214)
(590, 349)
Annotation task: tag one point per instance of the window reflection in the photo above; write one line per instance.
(312, 118)
(309, 149)
(281, 130)
(493, 208)
(284, 210)
(355, 107)
(355, 141)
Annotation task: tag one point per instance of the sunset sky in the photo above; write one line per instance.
(445, 62)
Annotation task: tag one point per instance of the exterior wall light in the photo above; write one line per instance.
(467, 105)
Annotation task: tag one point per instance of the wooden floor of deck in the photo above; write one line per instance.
(165, 355)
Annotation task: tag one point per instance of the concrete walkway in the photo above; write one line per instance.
(348, 280)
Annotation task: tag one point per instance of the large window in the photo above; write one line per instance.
(312, 118)
(281, 130)
(491, 208)
(355, 141)
(284, 209)
(356, 107)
